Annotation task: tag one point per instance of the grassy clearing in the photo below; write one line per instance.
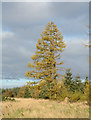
(33, 108)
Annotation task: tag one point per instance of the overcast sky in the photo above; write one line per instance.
(23, 23)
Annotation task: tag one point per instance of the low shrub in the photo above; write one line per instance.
(7, 99)
(76, 96)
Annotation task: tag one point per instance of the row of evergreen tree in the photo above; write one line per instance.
(74, 89)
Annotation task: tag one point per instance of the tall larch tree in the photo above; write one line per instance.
(48, 49)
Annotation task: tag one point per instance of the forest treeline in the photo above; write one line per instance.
(74, 89)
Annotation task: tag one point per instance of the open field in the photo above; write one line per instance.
(33, 108)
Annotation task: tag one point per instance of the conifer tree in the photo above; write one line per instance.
(87, 89)
(21, 92)
(86, 81)
(78, 85)
(26, 93)
(68, 78)
(48, 49)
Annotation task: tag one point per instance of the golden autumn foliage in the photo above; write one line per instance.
(48, 49)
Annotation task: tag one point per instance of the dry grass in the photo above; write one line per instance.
(32, 108)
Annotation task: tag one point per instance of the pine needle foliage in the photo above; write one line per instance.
(68, 78)
(26, 93)
(48, 49)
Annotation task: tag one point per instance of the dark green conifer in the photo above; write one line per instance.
(68, 78)
(26, 93)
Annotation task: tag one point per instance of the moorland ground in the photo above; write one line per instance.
(40, 108)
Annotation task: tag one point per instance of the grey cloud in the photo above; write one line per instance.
(24, 14)
(23, 23)
(76, 56)
(28, 15)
